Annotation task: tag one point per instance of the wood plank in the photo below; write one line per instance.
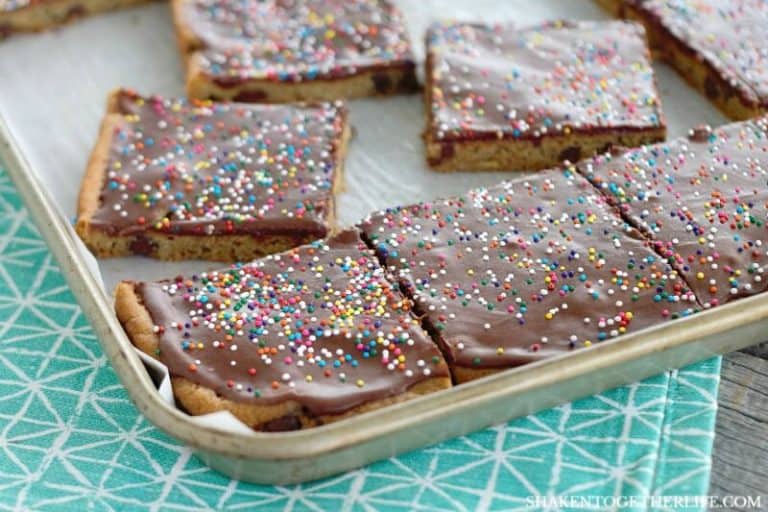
(760, 350)
(740, 455)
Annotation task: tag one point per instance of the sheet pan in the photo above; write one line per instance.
(53, 88)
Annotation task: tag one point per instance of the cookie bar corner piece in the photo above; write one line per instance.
(17, 16)
(182, 179)
(278, 52)
(303, 338)
(506, 98)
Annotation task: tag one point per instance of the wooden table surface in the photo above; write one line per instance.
(740, 457)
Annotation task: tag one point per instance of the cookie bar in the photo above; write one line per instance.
(188, 179)
(36, 15)
(718, 46)
(294, 340)
(704, 201)
(525, 270)
(502, 98)
(275, 51)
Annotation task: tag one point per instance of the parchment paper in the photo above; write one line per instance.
(53, 88)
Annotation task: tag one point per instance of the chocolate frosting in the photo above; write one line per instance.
(729, 35)
(525, 270)
(200, 168)
(320, 325)
(296, 40)
(704, 200)
(495, 81)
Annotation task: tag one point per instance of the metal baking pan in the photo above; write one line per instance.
(49, 112)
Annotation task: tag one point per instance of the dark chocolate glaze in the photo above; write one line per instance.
(526, 270)
(497, 82)
(726, 35)
(324, 312)
(296, 40)
(183, 167)
(704, 201)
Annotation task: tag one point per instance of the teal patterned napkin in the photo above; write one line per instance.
(71, 440)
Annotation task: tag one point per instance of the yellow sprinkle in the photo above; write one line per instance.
(360, 383)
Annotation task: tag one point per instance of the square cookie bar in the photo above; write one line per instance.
(718, 46)
(36, 15)
(188, 179)
(503, 98)
(525, 270)
(704, 201)
(306, 337)
(276, 51)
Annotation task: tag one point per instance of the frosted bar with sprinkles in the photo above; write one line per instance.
(189, 179)
(293, 340)
(704, 201)
(507, 98)
(525, 270)
(278, 51)
(718, 46)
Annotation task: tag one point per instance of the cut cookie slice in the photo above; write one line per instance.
(290, 341)
(501, 98)
(187, 179)
(704, 201)
(718, 46)
(275, 51)
(526, 270)
(37, 15)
